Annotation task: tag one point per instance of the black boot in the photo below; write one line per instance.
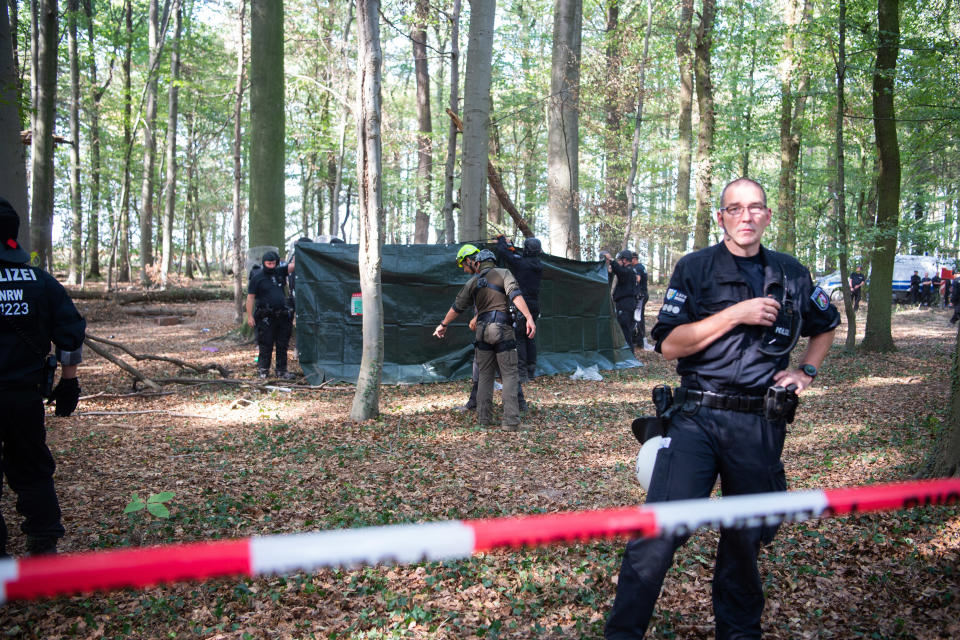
(41, 546)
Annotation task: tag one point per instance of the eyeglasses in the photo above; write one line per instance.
(736, 210)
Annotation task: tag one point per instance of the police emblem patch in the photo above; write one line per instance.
(820, 298)
(673, 294)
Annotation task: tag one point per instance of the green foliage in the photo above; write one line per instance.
(154, 504)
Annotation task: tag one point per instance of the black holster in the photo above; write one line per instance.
(49, 371)
(780, 403)
(647, 427)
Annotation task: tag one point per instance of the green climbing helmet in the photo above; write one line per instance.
(466, 251)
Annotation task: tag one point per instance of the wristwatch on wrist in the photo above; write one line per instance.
(443, 325)
(809, 369)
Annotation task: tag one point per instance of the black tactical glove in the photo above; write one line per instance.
(66, 395)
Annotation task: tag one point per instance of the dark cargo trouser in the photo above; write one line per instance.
(28, 465)
(625, 308)
(274, 330)
(527, 347)
(493, 336)
(744, 448)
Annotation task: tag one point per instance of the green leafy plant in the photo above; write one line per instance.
(153, 504)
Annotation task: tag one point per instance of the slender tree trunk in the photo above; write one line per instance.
(96, 94)
(792, 103)
(366, 401)
(192, 210)
(705, 136)
(563, 147)
(238, 265)
(149, 146)
(635, 146)
(476, 122)
(424, 140)
(684, 126)
(267, 127)
(840, 195)
(344, 120)
(877, 336)
(173, 109)
(454, 106)
(123, 271)
(41, 212)
(613, 201)
(75, 270)
(13, 169)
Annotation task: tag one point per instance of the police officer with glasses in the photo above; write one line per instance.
(730, 317)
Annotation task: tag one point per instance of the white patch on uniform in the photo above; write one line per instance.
(678, 296)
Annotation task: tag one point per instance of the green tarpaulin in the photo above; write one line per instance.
(576, 326)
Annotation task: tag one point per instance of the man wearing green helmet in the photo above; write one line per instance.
(491, 291)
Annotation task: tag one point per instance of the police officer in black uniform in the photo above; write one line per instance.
(926, 284)
(528, 270)
(639, 327)
(915, 288)
(625, 291)
(856, 287)
(269, 312)
(35, 310)
(730, 317)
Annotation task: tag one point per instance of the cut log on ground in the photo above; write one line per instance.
(169, 295)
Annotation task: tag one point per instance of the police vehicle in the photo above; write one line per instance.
(903, 268)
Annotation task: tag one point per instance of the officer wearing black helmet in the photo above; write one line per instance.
(528, 270)
(270, 314)
(639, 326)
(625, 291)
(730, 317)
(491, 291)
(35, 310)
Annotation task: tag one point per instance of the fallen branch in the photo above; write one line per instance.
(199, 368)
(136, 373)
(169, 295)
(256, 384)
(137, 413)
(158, 311)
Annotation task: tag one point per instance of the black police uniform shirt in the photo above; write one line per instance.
(626, 281)
(856, 278)
(268, 288)
(528, 271)
(35, 310)
(706, 282)
(641, 289)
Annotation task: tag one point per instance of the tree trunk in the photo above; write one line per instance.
(476, 122)
(96, 94)
(267, 126)
(424, 140)
(123, 271)
(13, 169)
(792, 104)
(840, 190)
(41, 212)
(613, 207)
(563, 146)
(684, 126)
(344, 119)
(149, 145)
(366, 401)
(450, 167)
(238, 263)
(705, 135)
(635, 147)
(173, 108)
(75, 270)
(877, 336)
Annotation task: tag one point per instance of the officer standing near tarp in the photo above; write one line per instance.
(528, 271)
(270, 314)
(639, 327)
(730, 317)
(491, 291)
(35, 310)
(625, 291)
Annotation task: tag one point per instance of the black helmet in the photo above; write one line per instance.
(486, 254)
(532, 247)
(270, 255)
(626, 254)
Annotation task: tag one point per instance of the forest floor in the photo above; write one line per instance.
(243, 461)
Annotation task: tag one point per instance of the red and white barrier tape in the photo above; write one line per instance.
(29, 578)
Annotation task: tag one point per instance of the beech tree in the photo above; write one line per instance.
(563, 146)
(424, 141)
(44, 120)
(13, 170)
(366, 400)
